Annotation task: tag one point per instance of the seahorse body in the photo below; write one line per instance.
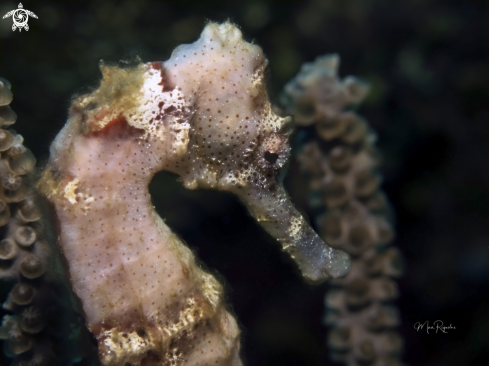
(203, 114)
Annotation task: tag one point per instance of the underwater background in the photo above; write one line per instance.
(426, 63)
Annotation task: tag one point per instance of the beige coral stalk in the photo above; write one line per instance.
(342, 164)
(39, 301)
(205, 115)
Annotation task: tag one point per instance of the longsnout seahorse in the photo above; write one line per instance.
(205, 115)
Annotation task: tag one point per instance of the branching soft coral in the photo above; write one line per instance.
(341, 161)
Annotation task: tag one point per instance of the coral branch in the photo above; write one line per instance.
(341, 161)
(44, 313)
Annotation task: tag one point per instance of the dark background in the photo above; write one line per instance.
(427, 64)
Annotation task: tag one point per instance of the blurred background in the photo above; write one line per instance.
(427, 64)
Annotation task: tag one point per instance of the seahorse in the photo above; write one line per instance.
(205, 115)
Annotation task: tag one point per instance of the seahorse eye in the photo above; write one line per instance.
(271, 157)
(273, 152)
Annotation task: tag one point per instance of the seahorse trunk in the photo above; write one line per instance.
(144, 297)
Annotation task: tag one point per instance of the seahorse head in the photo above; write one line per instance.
(205, 115)
(236, 142)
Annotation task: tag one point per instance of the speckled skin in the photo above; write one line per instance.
(203, 114)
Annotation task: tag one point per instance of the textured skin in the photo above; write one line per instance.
(204, 114)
